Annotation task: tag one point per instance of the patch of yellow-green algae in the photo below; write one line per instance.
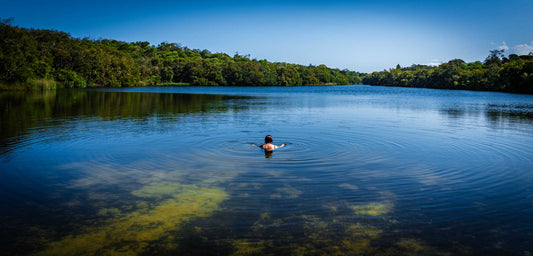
(132, 233)
(372, 209)
(327, 237)
(246, 247)
(286, 192)
(357, 239)
(354, 240)
(331, 206)
(320, 237)
(112, 212)
(348, 186)
(409, 246)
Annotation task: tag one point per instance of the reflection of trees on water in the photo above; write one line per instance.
(510, 114)
(495, 115)
(25, 112)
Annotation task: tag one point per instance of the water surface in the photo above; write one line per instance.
(366, 170)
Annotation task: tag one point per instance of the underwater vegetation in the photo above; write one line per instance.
(348, 186)
(132, 233)
(286, 192)
(247, 247)
(163, 216)
(313, 235)
(321, 236)
(372, 209)
(341, 233)
(328, 237)
(172, 219)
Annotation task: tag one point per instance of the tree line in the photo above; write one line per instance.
(46, 57)
(497, 73)
(40, 58)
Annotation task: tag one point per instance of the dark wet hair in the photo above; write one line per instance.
(268, 139)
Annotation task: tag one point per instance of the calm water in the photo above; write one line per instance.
(367, 170)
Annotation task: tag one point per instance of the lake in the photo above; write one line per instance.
(171, 171)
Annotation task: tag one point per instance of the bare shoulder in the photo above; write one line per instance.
(270, 147)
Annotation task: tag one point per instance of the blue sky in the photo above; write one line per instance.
(364, 36)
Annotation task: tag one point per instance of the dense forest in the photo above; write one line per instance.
(497, 73)
(38, 58)
(47, 58)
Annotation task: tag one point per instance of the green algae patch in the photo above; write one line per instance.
(109, 212)
(133, 233)
(286, 192)
(372, 209)
(363, 231)
(348, 186)
(324, 238)
(411, 245)
(247, 247)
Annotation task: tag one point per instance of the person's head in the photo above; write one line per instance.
(268, 139)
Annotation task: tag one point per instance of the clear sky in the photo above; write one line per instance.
(362, 35)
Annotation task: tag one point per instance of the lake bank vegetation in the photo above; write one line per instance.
(497, 73)
(39, 59)
(48, 59)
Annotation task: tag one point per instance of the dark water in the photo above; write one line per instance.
(367, 170)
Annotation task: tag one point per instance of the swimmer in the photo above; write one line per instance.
(268, 146)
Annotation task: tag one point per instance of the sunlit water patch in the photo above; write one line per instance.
(366, 171)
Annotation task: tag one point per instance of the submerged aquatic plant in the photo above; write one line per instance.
(327, 239)
(248, 247)
(112, 212)
(286, 192)
(372, 209)
(132, 233)
(348, 186)
(411, 245)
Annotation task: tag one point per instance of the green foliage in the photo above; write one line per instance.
(497, 73)
(70, 79)
(28, 55)
(494, 57)
(19, 54)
